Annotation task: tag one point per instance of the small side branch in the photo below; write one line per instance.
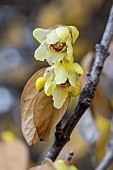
(87, 93)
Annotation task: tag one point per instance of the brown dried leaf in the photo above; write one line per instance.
(100, 104)
(86, 63)
(28, 100)
(46, 116)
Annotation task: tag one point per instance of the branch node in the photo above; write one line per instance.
(69, 156)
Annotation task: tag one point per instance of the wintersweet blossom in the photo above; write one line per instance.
(63, 73)
(56, 44)
(61, 82)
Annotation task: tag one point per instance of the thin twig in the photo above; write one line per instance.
(108, 159)
(87, 93)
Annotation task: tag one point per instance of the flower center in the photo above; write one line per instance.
(64, 85)
(59, 47)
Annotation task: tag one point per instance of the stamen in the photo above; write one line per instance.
(59, 46)
(64, 85)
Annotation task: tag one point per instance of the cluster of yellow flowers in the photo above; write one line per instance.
(62, 78)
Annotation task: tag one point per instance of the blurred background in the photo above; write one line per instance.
(18, 19)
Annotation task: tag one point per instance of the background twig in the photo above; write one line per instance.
(87, 93)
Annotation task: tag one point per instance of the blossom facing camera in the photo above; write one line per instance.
(56, 44)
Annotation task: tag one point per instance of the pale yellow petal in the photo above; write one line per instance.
(48, 73)
(55, 65)
(69, 49)
(40, 83)
(62, 32)
(78, 87)
(74, 32)
(76, 90)
(52, 37)
(40, 53)
(40, 34)
(54, 57)
(61, 74)
(77, 68)
(70, 89)
(72, 78)
(59, 97)
(49, 87)
(66, 62)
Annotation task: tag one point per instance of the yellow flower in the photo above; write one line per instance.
(56, 44)
(63, 73)
(61, 82)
